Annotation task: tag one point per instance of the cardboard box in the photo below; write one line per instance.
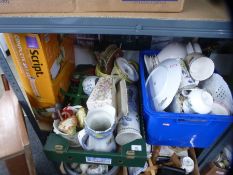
(44, 63)
(130, 5)
(175, 162)
(212, 169)
(21, 6)
(152, 169)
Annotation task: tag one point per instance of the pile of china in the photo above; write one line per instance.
(109, 118)
(182, 80)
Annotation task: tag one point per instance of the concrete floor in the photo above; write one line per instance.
(43, 165)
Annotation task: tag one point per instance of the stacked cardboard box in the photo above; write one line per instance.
(130, 5)
(22, 6)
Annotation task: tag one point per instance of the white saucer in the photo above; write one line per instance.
(127, 69)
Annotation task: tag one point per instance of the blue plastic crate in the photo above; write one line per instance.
(178, 129)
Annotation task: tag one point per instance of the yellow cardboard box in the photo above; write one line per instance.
(44, 63)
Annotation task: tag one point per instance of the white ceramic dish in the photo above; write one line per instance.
(163, 83)
(173, 50)
(73, 140)
(127, 69)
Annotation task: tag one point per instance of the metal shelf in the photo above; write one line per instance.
(200, 18)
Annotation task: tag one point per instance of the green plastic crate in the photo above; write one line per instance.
(57, 148)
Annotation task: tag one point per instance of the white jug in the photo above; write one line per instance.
(98, 132)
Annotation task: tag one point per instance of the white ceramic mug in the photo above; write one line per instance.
(73, 139)
(200, 67)
(198, 101)
(89, 84)
(98, 132)
(128, 129)
(187, 164)
(187, 81)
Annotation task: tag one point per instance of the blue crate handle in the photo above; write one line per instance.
(192, 121)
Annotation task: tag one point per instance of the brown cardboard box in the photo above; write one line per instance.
(130, 5)
(212, 169)
(23, 6)
(175, 162)
(152, 169)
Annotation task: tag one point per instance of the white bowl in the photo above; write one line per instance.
(163, 83)
(173, 50)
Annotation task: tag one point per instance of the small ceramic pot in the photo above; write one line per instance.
(89, 84)
(128, 129)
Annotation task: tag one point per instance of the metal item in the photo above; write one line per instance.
(162, 159)
(117, 25)
(210, 153)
